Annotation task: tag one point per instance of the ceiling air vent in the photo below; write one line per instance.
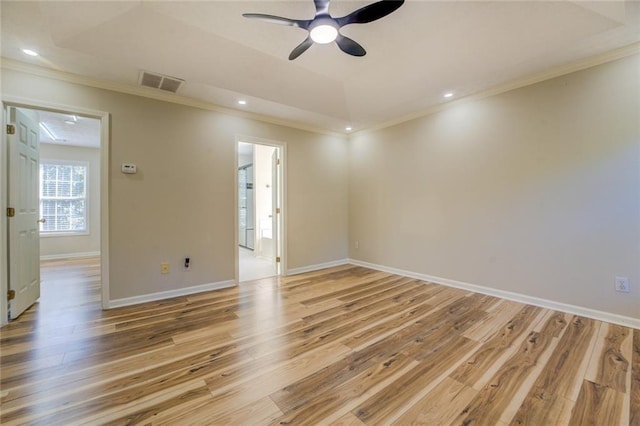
(159, 81)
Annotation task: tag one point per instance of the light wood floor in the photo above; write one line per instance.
(346, 346)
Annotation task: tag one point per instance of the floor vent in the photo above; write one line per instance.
(159, 81)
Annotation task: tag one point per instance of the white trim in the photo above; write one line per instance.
(4, 267)
(104, 207)
(319, 266)
(503, 294)
(70, 255)
(152, 297)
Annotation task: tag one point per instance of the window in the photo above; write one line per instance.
(63, 197)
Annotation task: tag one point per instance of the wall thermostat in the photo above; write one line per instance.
(129, 168)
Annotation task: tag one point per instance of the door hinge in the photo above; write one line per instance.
(11, 212)
(277, 210)
(11, 294)
(11, 129)
(278, 259)
(277, 162)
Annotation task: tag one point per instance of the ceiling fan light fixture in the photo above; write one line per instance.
(324, 28)
(324, 33)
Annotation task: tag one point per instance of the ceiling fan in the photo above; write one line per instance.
(324, 28)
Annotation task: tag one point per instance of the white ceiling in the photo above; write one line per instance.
(70, 130)
(414, 55)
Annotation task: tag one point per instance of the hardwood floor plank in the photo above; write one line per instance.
(366, 285)
(387, 326)
(326, 379)
(389, 404)
(597, 405)
(84, 380)
(491, 402)
(328, 407)
(548, 397)
(610, 362)
(475, 367)
(261, 412)
(440, 406)
(144, 414)
(336, 327)
(347, 420)
(115, 393)
(634, 401)
(345, 345)
(263, 368)
(229, 397)
(495, 321)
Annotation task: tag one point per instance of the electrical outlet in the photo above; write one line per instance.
(622, 284)
(164, 268)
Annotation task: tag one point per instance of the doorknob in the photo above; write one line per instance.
(43, 220)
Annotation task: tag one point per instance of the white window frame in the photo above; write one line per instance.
(87, 192)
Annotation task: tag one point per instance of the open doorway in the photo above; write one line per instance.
(63, 183)
(259, 211)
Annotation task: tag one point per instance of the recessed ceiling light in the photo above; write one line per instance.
(448, 95)
(29, 52)
(243, 102)
(348, 128)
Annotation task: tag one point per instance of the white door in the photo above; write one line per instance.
(23, 227)
(275, 206)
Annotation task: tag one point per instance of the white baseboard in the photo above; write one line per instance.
(317, 267)
(70, 255)
(516, 297)
(135, 300)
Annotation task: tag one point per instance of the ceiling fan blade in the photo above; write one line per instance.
(322, 7)
(301, 48)
(370, 13)
(349, 46)
(278, 20)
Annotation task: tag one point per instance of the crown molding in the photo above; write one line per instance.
(23, 67)
(529, 80)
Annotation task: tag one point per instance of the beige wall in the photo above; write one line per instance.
(70, 245)
(535, 191)
(181, 202)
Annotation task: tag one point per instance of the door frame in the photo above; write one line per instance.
(11, 101)
(282, 189)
